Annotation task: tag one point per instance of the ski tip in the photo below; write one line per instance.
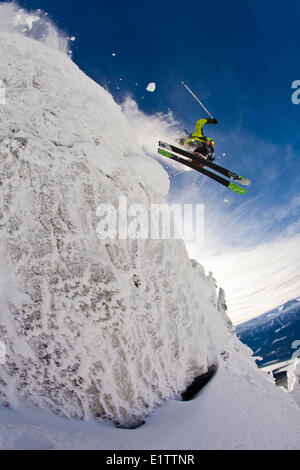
(164, 145)
(163, 152)
(238, 178)
(245, 181)
(236, 188)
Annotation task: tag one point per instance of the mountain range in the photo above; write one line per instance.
(275, 335)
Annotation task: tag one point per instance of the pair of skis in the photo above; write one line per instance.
(196, 162)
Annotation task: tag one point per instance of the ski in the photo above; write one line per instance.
(234, 187)
(230, 174)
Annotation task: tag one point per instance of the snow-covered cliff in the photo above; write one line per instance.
(109, 328)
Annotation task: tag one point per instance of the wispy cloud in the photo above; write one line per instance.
(258, 279)
(252, 248)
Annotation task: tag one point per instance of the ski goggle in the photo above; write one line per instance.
(212, 143)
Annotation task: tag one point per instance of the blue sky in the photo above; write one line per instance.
(240, 57)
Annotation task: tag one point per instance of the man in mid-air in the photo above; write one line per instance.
(198, 142)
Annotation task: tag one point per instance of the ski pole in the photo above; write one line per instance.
(197, 99)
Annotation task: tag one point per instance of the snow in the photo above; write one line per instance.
(279, 339)
(150, 129)
(151, 87)
(281, 328)
(294, 380)
(109, 330)
(34, 24)
(233, 411)
(26, 20)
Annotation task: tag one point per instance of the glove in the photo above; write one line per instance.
(214, 121)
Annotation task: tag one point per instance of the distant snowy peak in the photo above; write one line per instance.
(265, 331)
(288, 307)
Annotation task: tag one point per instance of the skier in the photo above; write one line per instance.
(198, 142)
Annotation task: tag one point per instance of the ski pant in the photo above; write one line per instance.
(201, 147)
